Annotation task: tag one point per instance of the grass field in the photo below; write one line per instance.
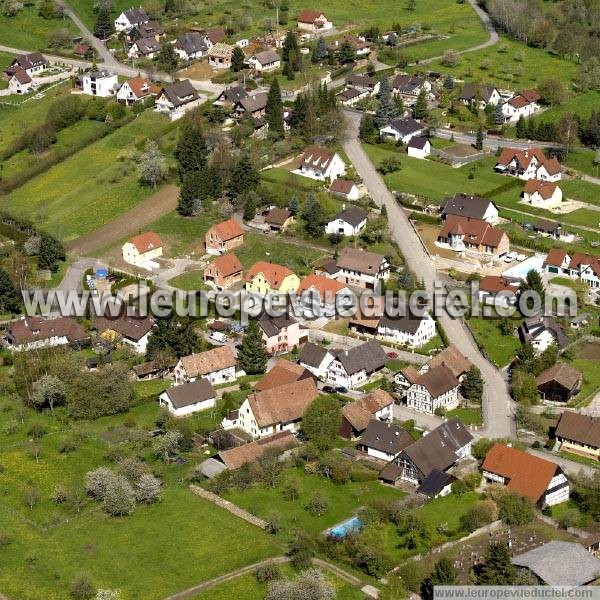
(344, 500)
(509, 64)
(586, 359)
(91, 187)
(583, 105)
(28, 31)
(190, 280)
(469, 416)
(500, 349)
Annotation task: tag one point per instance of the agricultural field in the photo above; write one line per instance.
(509, 64)
(28, 31)
(91, 187)
(50, 544)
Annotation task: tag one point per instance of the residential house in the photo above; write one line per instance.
(188, 398)
(20, 82)
(559, 383)
(419, 147)
(277, 409)
(31, 333)
(557, 262)
(586, 267)
(472, 207)
(409, 87)
(151, 370)
(559, 563)
(542, 332)
(217, 365)
(361, 46)
(283, 372)
(219, 56)
(579, 434)
(362, 268)
(402, 130)
(131, 330)
(548, 228)
(282, 333)
(131, 18)
(318, 295)
(384, 441)
(313, 21)
(408, 330)
(542, 194)
(357, 415)
(99, 83)
(528, 164)
(363, 83)
(439, 449)
(524, 104)
(144, 48)
(151, 29)
(350, 96)
(265, 278)
(175, 99)
(137, 89)
(479, 94)
(436, 388)
(279, 219)
(345, 188)
(32, 63)
(451, 358)
(254, 105)
(354, 367)
(497, 291)
(538, 479)
(349, 221)
(142, 250)
(224, 237)
(265, 61)
(230, 96)
(321, 164)
(437, 484)
(190, 46)
(316, 359)
(212, 37)
(463, 234)
(224, 271)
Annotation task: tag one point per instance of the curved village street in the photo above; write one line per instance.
(498, 407)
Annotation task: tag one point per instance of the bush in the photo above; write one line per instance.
(472, 480)
(37, 431)
(67, 445)
(481, 513)
(83, 588)
(268, 572)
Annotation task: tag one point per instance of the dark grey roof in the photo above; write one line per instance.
(437, 449)
(361, 81)
(273, 325)
(385, 437)
(352, 215)
(391, 473)
(531, 328)
(406, 126)
(330, 267)
(312, 355)
(136, 15)
(180, 92)
(561, 563)
(407, 84)
(191, 43)
(27, 61)
(418, 142)
(409, 323)
(435, 482)
(470, 90)
(473, 207)
(369, 356)
(547, 226)
(147, 45)
(233, 94)
(212, 467)
(255, 102)
(190, 393)
(267, 57)
(350, 93)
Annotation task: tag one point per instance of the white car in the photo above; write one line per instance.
(510, 257)
(521, 257)
(217, 336)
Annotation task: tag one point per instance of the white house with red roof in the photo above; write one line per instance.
(317, 295)
(321, 164)
(20, 82)
(142, 250)
(137, 89)
(346, 188)
(523, 104)
(578, 266)
(541, 194)
(313, 20)
(474, 235)
(528, 164)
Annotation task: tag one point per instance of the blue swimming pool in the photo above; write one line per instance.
(341, 530)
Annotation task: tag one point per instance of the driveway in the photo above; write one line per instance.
(497, 403)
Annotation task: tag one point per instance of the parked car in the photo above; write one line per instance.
(392, 355)
(328, 389)
(217, 336)
(521, 257)
(340, 389)
(510, 257)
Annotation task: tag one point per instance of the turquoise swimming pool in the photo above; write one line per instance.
(341, 530)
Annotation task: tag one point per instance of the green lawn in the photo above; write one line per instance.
(28, 31)
(190, 281)
(344, 500)
(583, 105)
(469, 416)
(91, 187)
(509, 64)
(500, 349)
(583, 160)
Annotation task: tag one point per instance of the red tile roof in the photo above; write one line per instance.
(226, 230)
(273, 273)
(527, 475)
(555, 257)
(544, 188)
(146, 241)
(495, 284)
(309, 16)
(142, 87)
(321, 284)
(228, 264)
(524, 157)
(476, 232)
(341, 186)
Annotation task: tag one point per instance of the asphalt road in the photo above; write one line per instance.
(497, 403)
